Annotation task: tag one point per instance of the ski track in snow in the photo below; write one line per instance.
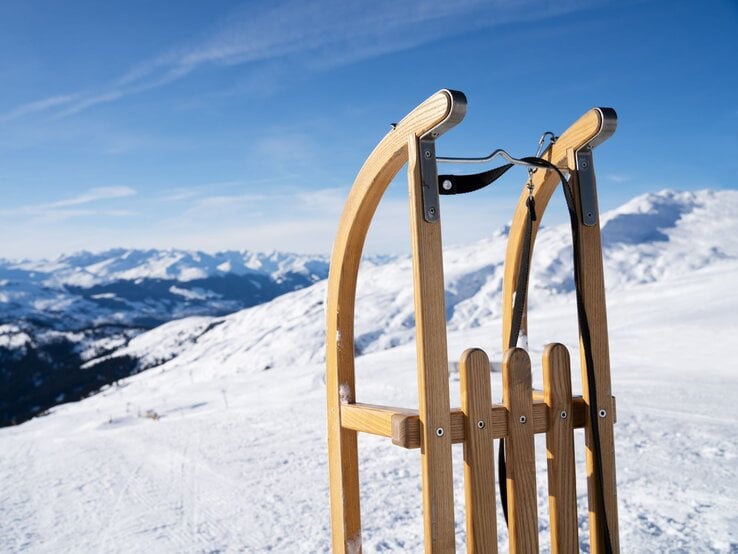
(208, 453)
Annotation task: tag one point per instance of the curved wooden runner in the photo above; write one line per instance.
(444, 108)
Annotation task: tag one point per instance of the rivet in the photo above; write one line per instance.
(523, 419)
(603, 413)
(564, 415)
(480, 424)
(447, 184)
(432, 210)
(427, 154)
(439, 432)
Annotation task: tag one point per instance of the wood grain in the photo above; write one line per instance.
(592, 282)
(432, 357)
(373, 179)
(479, 467)
(370, 418)
(562, 490)
(520, 453)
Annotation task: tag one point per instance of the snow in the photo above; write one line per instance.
(196, 293)
(86, 269)
(12, 337)
(221, 446)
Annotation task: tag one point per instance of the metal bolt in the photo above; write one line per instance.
(439, 432)
(523, 419)
(480, 424)
(427, 154)
(585, 164)
(447, 184)
(564, 415)
(603, 413)
(432, 210)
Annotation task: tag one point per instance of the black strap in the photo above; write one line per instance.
(460, 184)
(521, 291)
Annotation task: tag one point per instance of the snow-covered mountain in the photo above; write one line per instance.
(57, 314)
(650, 238)
(86, 269)
(136, 287)
(206, 451)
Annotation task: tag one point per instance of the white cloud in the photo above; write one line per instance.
(93, 195)
(615, 178)
(60, 209)
(320, 34)
(38, 106)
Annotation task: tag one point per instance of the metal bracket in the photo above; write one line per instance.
(429, 179)
(587, 191)
(585, 167)
(428, 165)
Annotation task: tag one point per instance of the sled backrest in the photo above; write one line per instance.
(434, 426)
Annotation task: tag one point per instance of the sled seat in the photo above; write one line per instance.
(402, 425)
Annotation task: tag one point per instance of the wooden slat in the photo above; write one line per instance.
(562, 493)
(593, 293)
(520, 453)
(433, 391)
(479, 467)
(373, 179)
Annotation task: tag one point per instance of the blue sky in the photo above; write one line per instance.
(240, 125)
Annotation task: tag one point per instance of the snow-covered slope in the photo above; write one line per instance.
(208, 452)
(648, 239)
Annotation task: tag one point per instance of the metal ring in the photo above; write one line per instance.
(523, 419)
(603, 413)
(439, 432)
(480, 424)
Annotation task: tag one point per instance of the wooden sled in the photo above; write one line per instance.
(435, 426)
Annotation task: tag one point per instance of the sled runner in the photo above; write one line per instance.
(434, 426)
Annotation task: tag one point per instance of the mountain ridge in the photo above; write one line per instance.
(679, 236)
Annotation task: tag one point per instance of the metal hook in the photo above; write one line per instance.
(499, 152)
(542, 140)
(541, 149)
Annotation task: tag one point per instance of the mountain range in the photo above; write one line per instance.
(650, 238)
